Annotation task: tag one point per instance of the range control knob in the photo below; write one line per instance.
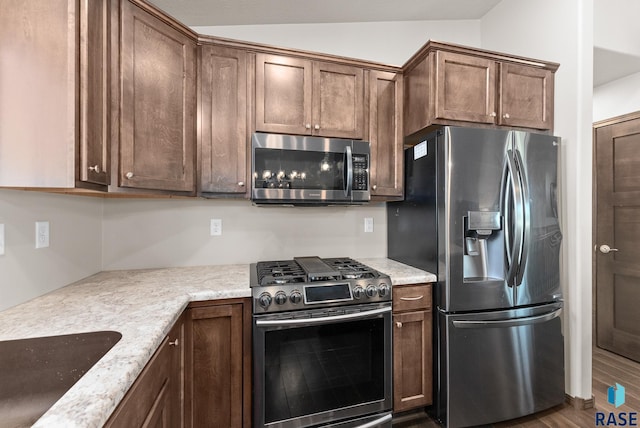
(358, 292)
(371, 290)
(295, 297)
(280, 298)
(384, 289)
(264, 300)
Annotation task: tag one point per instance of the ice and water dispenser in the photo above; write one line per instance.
(483, 258)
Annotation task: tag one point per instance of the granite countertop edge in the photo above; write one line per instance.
(142, 305)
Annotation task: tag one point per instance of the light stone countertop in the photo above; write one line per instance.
(142, 305)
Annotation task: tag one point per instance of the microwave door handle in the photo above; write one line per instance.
(348, 169)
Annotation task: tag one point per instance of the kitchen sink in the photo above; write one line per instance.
(36, 372)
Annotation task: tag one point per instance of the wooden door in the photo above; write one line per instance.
(283, 94)
(465, 88)
(617, 223)
(223, 140)
(216, 361)
(157, 129)
(338, 101)
(385, 133)
(526, 97)
(93, 150)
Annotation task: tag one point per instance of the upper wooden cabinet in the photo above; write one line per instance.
(385, 134)
(157, 116)
(224, 128)
(455, 85)
(301, 96)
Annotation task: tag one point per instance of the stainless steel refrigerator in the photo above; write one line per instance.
(481, 212)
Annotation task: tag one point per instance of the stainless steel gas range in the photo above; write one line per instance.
(321, 344)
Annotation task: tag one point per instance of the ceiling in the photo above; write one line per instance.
(608, 65)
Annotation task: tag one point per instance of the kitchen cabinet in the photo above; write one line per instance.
(385, 134)
(156, 397)
(223, 108)
(218, 392)
(454, 85)
(157, 109)
(306, 97)
(412, 347)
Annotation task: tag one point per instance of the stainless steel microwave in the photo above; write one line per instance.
(302, 170)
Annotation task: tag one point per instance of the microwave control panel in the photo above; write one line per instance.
(360, 172)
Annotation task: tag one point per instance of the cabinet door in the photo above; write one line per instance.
(338, 101)
(224, 120)
(157, 118)
(412, 360)
(417, 102)
(216, 361)
(385, 133)
(283, 94)
(526, 97)
(148, 402)
(177, 343)
(93, 150)
(465, 88)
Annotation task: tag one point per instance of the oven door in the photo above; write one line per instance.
(322, 366)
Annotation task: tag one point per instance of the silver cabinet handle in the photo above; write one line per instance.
(410, 299)
(398, 324)
(129, 174)
(316, 126)
(605, 249)
(241, 183)
(493, 114)
(307, 125)
(174, 343)
(374, 187)
(506, 116)
(95, 168)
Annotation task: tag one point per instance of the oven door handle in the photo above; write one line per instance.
(377, 422)
(323, 320)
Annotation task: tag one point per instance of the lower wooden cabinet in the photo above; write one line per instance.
(156, 397)
(218, 386)
(412, 347)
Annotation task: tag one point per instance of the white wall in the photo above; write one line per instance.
(75, 243)
(385, 42)
(616, 25)
(563, 32)
(616, 98)
(147, 233)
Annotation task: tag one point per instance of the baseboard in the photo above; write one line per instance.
(580, 403)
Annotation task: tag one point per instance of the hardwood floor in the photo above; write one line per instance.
(608, 368)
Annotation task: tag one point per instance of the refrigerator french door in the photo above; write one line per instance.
(483, 202)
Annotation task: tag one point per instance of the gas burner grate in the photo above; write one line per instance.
(280, 272)
(351, 269)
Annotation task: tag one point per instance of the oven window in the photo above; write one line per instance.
(297, 169)
(314, 369)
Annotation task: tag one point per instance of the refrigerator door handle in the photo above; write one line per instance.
(524, 217)
(510, 322)
(513, 218)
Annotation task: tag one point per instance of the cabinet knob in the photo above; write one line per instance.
(374, 187)
(316, 126)
(174, 343)
(307, 125)
(398, 324)
(241, 183)
(129, 174)
(493, 114)
(506, 116)
(95, 168)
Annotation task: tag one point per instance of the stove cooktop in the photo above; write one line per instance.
(296, 284)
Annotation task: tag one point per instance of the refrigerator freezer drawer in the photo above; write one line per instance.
(502, 365)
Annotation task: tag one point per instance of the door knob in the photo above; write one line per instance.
(605, 249)
(95, 169)
(398, 324)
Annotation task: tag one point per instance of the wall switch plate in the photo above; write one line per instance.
(368, 224)
(216, 227)
(42, 234)
(1, 239)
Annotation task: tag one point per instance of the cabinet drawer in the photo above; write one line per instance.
(411, 297)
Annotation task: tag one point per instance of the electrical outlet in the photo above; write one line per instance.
(368, 224)
(42, 234)
(1, 239)
(216, 227)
